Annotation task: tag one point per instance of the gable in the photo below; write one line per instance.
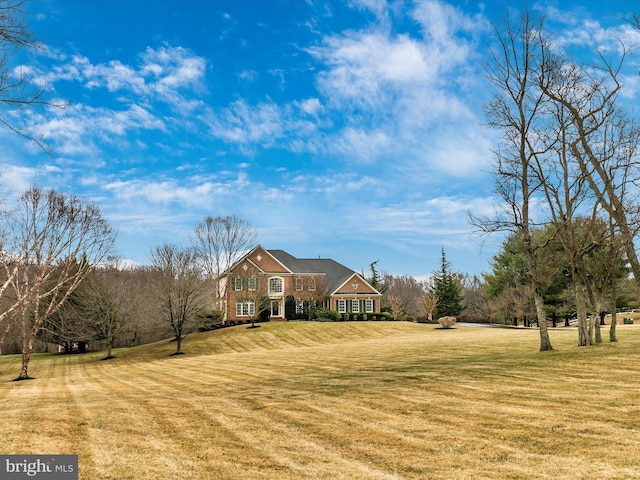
(267, 262)
(263, 261)
(355, 284)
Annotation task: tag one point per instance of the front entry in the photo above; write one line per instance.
(275, 309)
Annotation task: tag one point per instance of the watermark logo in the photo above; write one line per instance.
(49, 467)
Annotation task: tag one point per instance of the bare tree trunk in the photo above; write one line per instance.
(545, 341)
(581, 309)
(614, 316)
(26, 356)
(27, 350)
(596, 327)
(4, 335)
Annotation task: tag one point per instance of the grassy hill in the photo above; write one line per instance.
(377, 400)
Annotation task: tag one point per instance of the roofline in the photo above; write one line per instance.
(367, 294)
(365, 282)
(273, 256)
(244, 257)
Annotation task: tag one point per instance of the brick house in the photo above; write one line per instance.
(263, 280)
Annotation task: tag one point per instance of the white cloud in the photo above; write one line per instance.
(76, 129)
(362, 145)
(432, 219)
(377, 7)
(310, 106)
(248, 75)
(17, 179)
(361, 64)
(242, 123)
(330, 185)
(175, 192)
(265, 125)
(165, 74)
(389, 93)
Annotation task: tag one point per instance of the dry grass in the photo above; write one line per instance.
(337, 401)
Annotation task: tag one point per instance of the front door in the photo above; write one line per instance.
(275, 308)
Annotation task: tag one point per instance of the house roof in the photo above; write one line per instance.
(334, 273)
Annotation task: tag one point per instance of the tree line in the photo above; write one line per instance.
(565, 168)
(62, 286)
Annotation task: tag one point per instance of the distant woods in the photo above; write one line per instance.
(63, 288)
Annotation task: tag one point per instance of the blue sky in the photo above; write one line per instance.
(342, 129)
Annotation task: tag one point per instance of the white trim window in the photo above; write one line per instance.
(368, 305)
(341, 305)
(245, 308)
(237, 284)
(276, 285)
(355, 306)
(252, 284)
(299, 307)
(299, 285)
(312, 284)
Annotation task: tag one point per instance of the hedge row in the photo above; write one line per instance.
(323, 315)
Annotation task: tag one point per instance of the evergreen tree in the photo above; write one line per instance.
(447, 290)
(374, 280)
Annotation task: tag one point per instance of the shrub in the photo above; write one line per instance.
(210, 319)
(447, 322)
(326, 315)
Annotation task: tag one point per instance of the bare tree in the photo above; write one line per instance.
(109, 302)
(17, 90)
(394, 304)
(403, 295)
(145, 326)
(604, 267)
(603, 141)
(518, 110)
(178, 289)
(581, 238)
(218, 243)
(429, 302)
(69, 326)
(473, 292)
(53, 241)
